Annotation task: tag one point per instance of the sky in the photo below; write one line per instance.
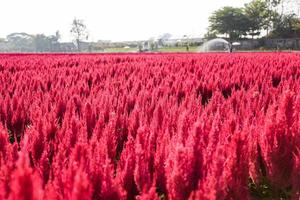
(115, 20)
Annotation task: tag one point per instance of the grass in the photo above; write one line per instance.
(120, 49)
(178, 49)
(164, 49)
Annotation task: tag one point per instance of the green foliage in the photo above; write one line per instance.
(257, 13)
(231, 21)
(264, 190)
(210, 34)
(161, 194)
(286, 26)
(256, 16)
(273, 3)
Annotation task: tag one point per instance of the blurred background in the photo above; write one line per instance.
(149, 26)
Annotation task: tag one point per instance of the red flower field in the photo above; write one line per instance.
(150, 126)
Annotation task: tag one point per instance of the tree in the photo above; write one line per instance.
(21, 42)
(277, 17)
(45, 43)
(41, 43)
(286, 26)
(277, 13)
(282, 18)
(54, 42)
(210, 34)
(79, 32)
(272, 4)
(271, 13)
(230, 21)
(257, 13)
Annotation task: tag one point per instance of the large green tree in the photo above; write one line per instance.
(272, 14)
(286, 26)
(257, 16)
(229, 21)
(257, 13)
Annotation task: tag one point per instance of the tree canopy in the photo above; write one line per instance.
(255, 18)
(79, 31)
(286, 26)
(257, 13)
(45, 43)
(229, 20)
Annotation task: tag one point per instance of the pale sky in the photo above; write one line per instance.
(115, 20)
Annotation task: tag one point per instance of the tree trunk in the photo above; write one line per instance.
(78, 45)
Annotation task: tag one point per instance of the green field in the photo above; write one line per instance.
(164, 49)
(178, 49)
(120, 49)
